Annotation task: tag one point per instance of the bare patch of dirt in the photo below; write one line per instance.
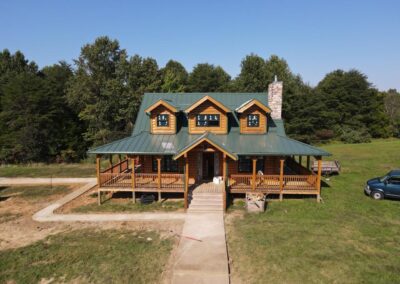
(21, 230)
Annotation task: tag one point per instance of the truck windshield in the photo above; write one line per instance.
(382, 179)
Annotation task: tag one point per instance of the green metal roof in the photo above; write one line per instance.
(275, 142)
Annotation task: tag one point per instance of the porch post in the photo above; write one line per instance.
(254, 173)
(110, 163)
(119, 162)
(159, 177)
(282, 160)
(133, 178)
(319, 178)
(224, 167)
(98, 165)
(308, 162)
(185, 194)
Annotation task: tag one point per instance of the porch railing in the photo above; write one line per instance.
(142, 180)
(272, 182)
(115, 180)
(300, 182)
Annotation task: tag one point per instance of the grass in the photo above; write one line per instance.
(128, 206)
(51, 170)
(32, 192)
(88, 256)
(349, 238)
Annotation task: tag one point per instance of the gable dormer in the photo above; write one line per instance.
(162, 118)
(253, 117)
(207, 114)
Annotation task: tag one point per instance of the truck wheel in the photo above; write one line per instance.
(377, 195)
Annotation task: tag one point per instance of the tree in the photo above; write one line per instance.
(392, 110)
(350, 100)
(174, 77)
(208, 78)
(98, 90)
(65, 140)
(252, 77)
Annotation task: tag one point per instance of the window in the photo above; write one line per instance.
(207, 120)
(245, 165)
(162, 120)
(167, 164)
(253, 120)
(394, 180)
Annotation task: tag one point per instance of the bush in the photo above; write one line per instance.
(350, 135)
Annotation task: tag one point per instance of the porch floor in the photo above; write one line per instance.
(208, 187)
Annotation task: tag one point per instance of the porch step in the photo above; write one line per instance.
(205, 201)
(203, 207)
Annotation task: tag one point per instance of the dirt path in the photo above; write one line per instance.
(39, 181)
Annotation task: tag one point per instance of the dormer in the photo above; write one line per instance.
(162, 117)
(207, 114)
(253, 117)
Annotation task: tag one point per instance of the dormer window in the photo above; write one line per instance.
(163, 120)
(253, 120)
(207, 120)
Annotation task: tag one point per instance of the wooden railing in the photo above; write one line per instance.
(142, 180)
(300, 182)
(272, 182)
(267, 182)
(240, 181)
(115, 180)
(146, 180)
(118, 168)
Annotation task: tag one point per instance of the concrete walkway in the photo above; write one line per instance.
(47, 214)
(201, 256)
(34, 181)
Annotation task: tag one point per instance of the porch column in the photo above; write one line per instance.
(282, 161)
(133, 178)
(185, 194)
(110, 163)
(159, 177)
(98, 169)
(119, 162)
(308, 162)
(319, 178)
(254, 173)
(224, 167)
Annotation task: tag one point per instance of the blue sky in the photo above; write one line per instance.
(314, 36)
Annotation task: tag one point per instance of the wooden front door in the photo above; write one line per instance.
(208, 166)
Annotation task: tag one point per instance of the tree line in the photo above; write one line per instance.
(56, 113)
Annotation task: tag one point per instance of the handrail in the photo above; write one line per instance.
(118, 167)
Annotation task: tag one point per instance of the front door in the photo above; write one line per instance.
(208, 166)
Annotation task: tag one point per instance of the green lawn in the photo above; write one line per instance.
(349, 238)
(89, 256)
(32, 192)
(51, 170)
(128, 206)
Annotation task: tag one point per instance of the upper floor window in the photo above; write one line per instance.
(162, 120)
(207, 120)
(253, 120)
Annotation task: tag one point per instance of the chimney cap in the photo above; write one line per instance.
(276, 78)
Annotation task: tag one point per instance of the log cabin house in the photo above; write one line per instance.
(182, 141)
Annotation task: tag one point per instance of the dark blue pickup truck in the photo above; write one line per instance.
(386, 186)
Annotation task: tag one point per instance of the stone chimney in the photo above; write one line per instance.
(275, 98)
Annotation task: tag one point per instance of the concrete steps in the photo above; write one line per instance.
(205, 202)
